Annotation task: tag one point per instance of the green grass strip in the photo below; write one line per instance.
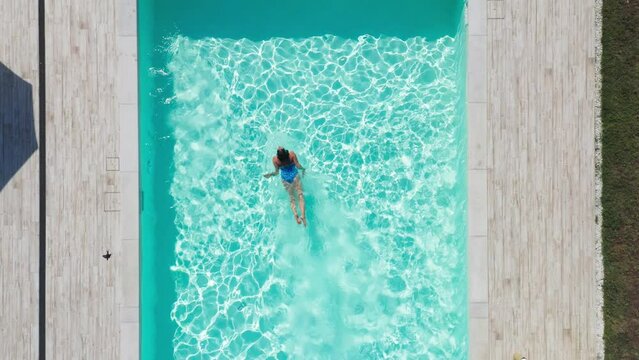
(620, 176)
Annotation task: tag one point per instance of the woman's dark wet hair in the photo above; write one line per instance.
(282, 156)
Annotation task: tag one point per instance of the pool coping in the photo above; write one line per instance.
(477, 124)
(127, 94)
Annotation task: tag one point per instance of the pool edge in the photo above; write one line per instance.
(127, 93)
(477, 246)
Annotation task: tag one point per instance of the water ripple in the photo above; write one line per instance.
(380, 272)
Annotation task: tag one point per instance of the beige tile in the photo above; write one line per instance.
(129, 341)
(476, 72)
(112, 201)
(496, 9)
(112, 164)
(127, 21)
(477, 203)
(478, 348)
(127, 70)
(478, 310)
(129, 314)
(477, 269)
(477, 17)
(128, 137)
(129, 264)
(477, 138)
(130, 205)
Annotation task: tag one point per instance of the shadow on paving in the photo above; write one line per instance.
(17, 133)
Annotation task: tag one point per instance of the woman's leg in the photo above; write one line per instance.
(289, 189)
(300, 194)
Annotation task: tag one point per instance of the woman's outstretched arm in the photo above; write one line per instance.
(277, 170)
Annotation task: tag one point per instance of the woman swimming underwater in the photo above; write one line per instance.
(286, 164)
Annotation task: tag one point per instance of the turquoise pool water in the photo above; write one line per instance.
(371, 97)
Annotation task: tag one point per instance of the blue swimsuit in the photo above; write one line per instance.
(288, 172)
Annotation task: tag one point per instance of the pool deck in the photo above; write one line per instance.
(19, 198)
(534, 255)
(91, 183)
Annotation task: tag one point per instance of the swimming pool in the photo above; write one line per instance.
(371, 97)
